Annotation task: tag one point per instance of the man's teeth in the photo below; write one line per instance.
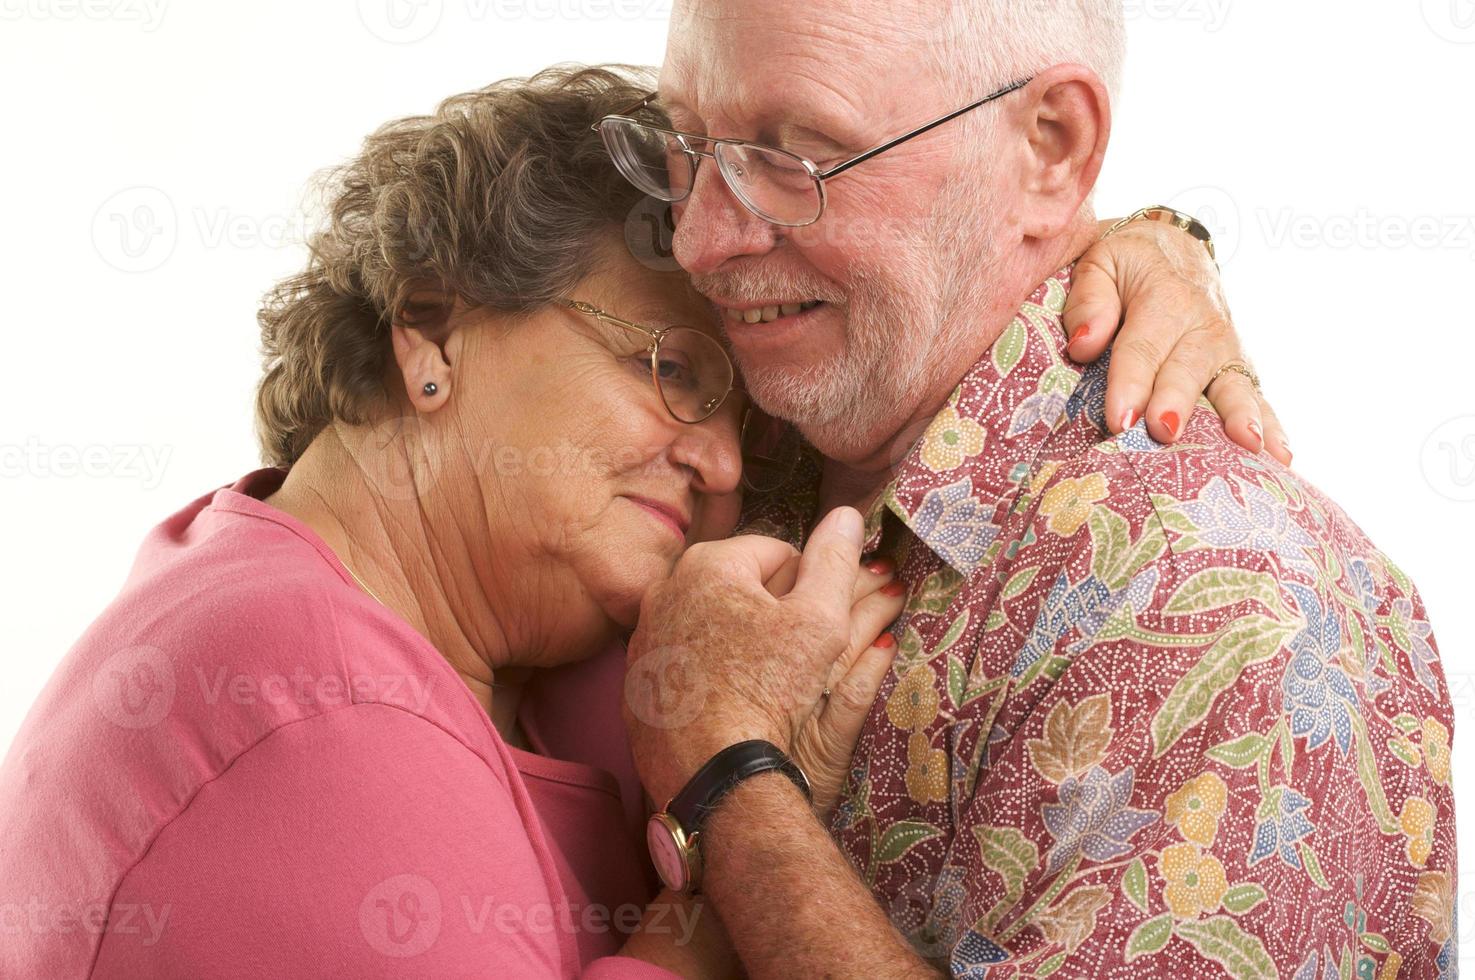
(768, 314)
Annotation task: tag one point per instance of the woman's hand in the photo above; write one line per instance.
(1161, 287)
(825, 743)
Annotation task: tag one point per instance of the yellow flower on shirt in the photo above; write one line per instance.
(1196, 807)
(1068, 503)
(1196, 882)
(915, 701)
(1417, 821)
(927, 770)
(950, 440)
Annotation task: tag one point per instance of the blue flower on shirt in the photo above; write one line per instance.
(1316, 691)
(1093, 818)
(1261, 523)
(1065, 607)
(973, 955)
(1281, 824)
(1416, 632)
(1090, 395)
(954, 525)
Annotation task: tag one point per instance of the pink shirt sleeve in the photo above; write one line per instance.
(343, 845)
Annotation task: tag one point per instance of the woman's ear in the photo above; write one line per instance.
(425, 344)
(1065, 135)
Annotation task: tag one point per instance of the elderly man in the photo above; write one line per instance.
(1157, 706)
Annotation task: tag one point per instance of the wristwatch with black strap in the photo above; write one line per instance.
(674, 834)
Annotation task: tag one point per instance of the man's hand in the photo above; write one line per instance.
(719, 659)
(1163, 289)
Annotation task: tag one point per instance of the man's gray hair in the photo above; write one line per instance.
(987, 44)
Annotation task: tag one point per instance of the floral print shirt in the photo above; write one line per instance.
(1157, 710)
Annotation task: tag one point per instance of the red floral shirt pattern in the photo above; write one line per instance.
(1157, 710)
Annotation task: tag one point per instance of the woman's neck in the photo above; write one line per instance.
(430, 581)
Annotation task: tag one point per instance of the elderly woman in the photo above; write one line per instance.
(358, 714)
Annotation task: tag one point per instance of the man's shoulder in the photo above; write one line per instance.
(1202, 494)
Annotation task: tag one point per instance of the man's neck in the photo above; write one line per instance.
(856, 480)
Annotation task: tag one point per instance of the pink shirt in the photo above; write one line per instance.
(248, 767)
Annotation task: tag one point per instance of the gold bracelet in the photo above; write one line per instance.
(1169, 216)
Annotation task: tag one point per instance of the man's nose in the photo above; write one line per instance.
(713, 226)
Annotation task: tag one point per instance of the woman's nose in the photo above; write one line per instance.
(713, 451)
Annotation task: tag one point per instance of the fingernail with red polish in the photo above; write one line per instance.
(885, 642)
(1170, 420)
(894, 589)
(1078, 336)
(881, 566)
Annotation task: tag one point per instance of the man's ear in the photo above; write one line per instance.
(423, 352)
(1067, 126)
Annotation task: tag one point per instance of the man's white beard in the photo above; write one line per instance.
(905, 324)
(903, 332)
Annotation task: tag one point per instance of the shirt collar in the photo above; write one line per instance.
(958, 482)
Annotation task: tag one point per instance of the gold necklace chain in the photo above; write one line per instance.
(361, 583)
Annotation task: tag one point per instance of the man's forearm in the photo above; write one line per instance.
(792, 904)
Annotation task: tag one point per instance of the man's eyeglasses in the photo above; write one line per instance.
(693, 376)
(780, 187)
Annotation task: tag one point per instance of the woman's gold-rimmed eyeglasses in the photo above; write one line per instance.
(694, 376)
(690, 370)
(780, 187)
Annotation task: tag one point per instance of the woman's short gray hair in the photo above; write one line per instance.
(497, 199)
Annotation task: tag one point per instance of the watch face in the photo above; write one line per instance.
(666, 852)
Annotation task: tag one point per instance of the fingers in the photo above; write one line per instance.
(831, 560)
(874, 575)
(1093, 310)
(1180, 380)
(761, 556)
(781, 583)
(869, 619)
(1135, 361)
(1276, 440)
(1235, 400)
(851, 697)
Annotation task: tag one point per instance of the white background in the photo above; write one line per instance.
(1328, 142)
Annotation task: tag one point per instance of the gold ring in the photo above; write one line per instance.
(1237, 367)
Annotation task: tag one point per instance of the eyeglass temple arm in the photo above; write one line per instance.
(625, 112)
(579, 306)
(877, 150)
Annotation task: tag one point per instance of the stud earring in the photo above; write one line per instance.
(430, 389)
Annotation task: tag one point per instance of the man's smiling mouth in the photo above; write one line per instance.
(767, 313)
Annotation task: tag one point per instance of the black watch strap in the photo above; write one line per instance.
(722, 773)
